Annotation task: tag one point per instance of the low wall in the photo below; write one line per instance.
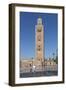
(40, 68)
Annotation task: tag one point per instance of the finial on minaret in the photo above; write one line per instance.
(39, 21)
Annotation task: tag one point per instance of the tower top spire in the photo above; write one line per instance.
(39, 20)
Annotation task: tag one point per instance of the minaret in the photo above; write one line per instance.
(39, 36)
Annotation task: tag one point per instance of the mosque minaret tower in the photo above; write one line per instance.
(39, 40)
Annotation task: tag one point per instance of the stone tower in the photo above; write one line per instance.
(39, 36)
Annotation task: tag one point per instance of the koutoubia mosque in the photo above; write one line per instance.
(39, 40)
(38, 63)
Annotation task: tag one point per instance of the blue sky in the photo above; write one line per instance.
(28, 20)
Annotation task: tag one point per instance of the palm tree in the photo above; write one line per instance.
(56, 56)
(32, 58)
(53, 56)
